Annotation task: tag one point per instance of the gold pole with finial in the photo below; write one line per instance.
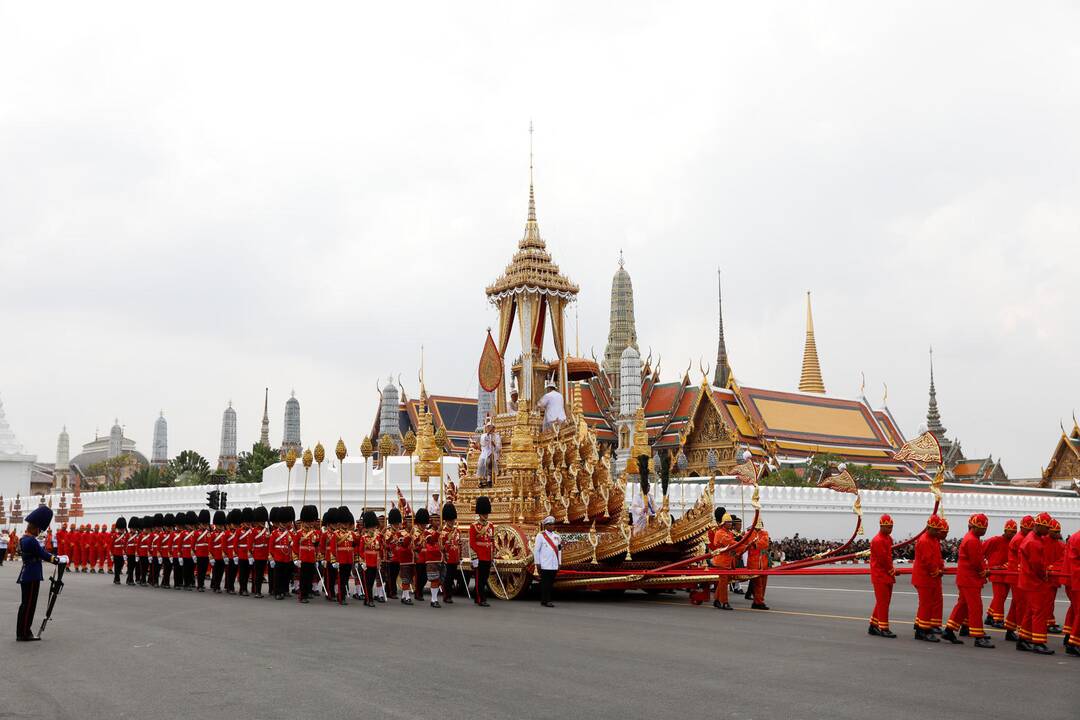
(290, 460)
(320, 455)
(409, 441)
(306, 459)
(441, 441)
(366, 449)
(386, 449)
(341, 452)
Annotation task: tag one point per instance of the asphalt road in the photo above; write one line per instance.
(120, 652)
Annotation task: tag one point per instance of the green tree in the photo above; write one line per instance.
(251, 464)
(189, 468)
(113, 470)
(148, 477)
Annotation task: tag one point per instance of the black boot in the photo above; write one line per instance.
(1023, 646)
(873, 631)
(983, 642)
(1072, 650)
(1041, 649)
(886, 633)
(950, 636)
(1011, 636)
(989, 621)
(965, 631)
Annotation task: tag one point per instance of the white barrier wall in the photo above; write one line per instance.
(811, 512)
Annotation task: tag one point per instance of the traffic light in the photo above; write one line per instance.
(224, 497)
(213, 498)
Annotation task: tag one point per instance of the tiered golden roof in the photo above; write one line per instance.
(810, 380)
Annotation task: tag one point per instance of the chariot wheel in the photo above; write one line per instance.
(512, 556)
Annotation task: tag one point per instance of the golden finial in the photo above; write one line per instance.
(307, 458)
(340, 450)
(440, 438)
(386, 445)
(290, 458)
(409, 441)
(366, 447)
(320, 453)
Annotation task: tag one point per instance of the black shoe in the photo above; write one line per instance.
(950, 636)
(1011, 636)
(406, 601)
(759, 606)
(1053, 630)
(245, 593)
(872, 630)
(115, 582)
(1041, 649)
(1072, 650)
(304, 600)
(28, 638)
(485, 603)
(887, 633)
(380, 599)
(343, 601)
(1065, 640)
(257, 595)
(935, 631)
(201, 589)
(548, 604)
(435, 604)
(983, 642)
(965, 631)
(449, 601)
(1023, 646)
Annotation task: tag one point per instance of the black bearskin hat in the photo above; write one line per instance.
(483, 505)
(719, 513)
(288, 514)
(159, 520)
(370, 520)
(192, 518)
(147, 522)
(345, 516)
(275, 514)
(394, 516)
(121, 523)
(449, 512)
(220, 519)
(204, 517)
(421, 517)
(247, 515)
(170, 520)
(260, 515)
(134, 523)
(330, 517)
(234, 516)
(309, 513)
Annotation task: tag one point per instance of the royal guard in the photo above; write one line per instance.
(399, 548)
(1017, 609)
(757, 558)
(217, 551)
(420, 527)
(187, 545)
(926, 571)
(146, 531)
(370, 548)
(118, 545)
(131, 548)
(1057, 559)
(176, 540)
(306, 550)
(482, 545)
(971, 574)
(232, 555)
(166, 548)
(243, 549)
(882, 577)
(451, 546)
(281, 552)
(155, 548)
(62, 546)
(997, 562)
(1034, 587)
(260, 549)
(1072, 572)
(330, 522)
(433, 559)
(202, 550)
(342, 552)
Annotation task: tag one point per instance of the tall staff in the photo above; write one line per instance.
(290, 460)
(366, 449)
(409, 441)
(306, 459)
(386, 449)
(320, 455)
(341, 453)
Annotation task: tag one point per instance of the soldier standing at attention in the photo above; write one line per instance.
(131, 547)
(243, 549)
(119, 542)
(420, 524)
(202, 550)
(369, 547)
(30, 576)
(451, 544)
(997, 560)
(433, 560)
(482, 543)
(306, 549)
(926, 571)
(971, 575)
(1017, 608)
(341, 552)
(1034, 587)
(260, 547)
(217, 551)
(882, 577)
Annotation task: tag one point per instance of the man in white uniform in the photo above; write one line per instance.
(490, 448)
(551, 404)
(547, 554)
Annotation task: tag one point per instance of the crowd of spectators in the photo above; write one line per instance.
(800, 548)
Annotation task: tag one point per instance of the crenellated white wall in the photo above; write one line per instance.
(811, 512)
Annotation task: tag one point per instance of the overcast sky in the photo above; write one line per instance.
(201, 200)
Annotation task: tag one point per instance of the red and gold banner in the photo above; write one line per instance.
(490, 371)
(923, 449)
(843, 482)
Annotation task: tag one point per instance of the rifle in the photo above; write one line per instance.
(464, 581)
(56, 584)
(359, 582)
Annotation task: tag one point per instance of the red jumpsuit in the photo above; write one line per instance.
(996, 551)
(757, 558)
(926, 573)
(1034, 588)
(883, 578)
(970, 578)
(1017, 609)
(1055, 559)
(1072, 562)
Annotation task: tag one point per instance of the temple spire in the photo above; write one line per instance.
(723, 369)
(810, 381)
(264, 434)
(933, 417)
(532, 228)
(622, 329)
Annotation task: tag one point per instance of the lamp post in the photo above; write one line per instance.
(320, 455)
(341, 453)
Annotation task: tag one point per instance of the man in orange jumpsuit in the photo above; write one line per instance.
(1072, 565)
(926, 572)
(971, 575)
(725, 549)
(1034, 587)
(1016, 607)
(882, 577)
(997, 560)
(1056, 560)
(757, 558)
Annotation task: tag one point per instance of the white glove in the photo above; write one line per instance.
(273, 564)
(296, 563)
(62, 560)
(251, 561)
(335, 566)
(475, 563)
(212, 561)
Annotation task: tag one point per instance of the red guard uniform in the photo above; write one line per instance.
(481, 542)
(882, 576)
(926, 571)
(1056, 558)
(996, 550)
(1017, 608)
(970, 577)
(1033, 585)
(1072, 555)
